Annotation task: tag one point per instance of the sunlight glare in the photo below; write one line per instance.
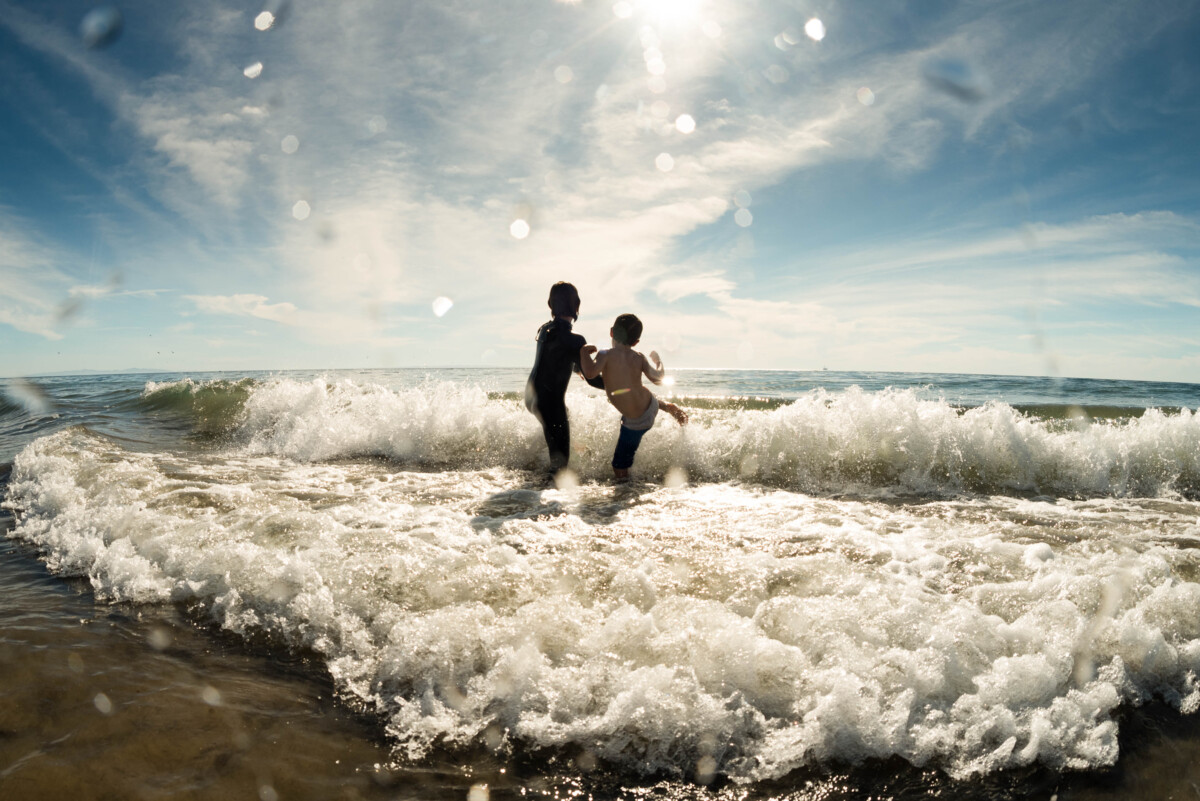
(815, 29)
(671, 11)
(519, 228)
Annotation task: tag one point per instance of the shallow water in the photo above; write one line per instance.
(857, 592)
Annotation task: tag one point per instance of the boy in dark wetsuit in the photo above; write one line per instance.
(557, 357)
(622, 369)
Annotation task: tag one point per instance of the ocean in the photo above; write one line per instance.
(362, 584)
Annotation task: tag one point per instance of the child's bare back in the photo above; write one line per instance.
(623, 368)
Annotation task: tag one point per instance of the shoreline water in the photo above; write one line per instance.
(280, 732)
(633, 556)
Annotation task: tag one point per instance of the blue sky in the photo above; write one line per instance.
(937, 187)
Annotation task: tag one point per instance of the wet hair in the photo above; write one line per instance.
(564, 300)
(627, 330)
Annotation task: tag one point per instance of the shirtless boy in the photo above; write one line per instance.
(622, 368)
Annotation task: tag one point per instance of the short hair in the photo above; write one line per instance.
(627, 330)
(564, 300)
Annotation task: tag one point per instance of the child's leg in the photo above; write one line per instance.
(679, 414)
(627, 445)
(557, 432)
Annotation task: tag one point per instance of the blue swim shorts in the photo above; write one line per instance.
(627, 445)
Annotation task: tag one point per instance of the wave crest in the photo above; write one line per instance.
(853, 441)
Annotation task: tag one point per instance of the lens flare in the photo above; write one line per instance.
(623, 10)
(563, 74)
(264, 21)
(665, 162)
(743, 217)
(519, 229)
(441, 305)
(865, 96)
(290, 144)
(254, 70)
(301, 210)
(685, 124)
(815, 29)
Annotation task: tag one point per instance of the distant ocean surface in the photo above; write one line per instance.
(360, 584)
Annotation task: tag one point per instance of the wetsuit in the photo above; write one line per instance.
(557, 357)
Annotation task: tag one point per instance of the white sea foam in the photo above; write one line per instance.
(848, 442)
(714, 626)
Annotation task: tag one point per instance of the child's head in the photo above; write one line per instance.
(564, 300)
(627, 330)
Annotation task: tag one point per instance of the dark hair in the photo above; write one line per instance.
(564, 300)
(627, 330)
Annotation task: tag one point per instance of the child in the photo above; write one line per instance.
(622, 368)
(557, 357)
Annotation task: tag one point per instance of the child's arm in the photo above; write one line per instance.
(656, 371)
(591, 366)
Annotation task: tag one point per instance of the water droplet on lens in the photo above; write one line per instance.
(159, 638)
(103, 705)
(776, 74)
(958, 79)
(478, 792)
(254, 70)
(101, 26)
(211, 696)
(675, 477)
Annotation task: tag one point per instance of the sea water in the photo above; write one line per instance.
(953, 580)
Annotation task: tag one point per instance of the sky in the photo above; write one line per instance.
(952, 187)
